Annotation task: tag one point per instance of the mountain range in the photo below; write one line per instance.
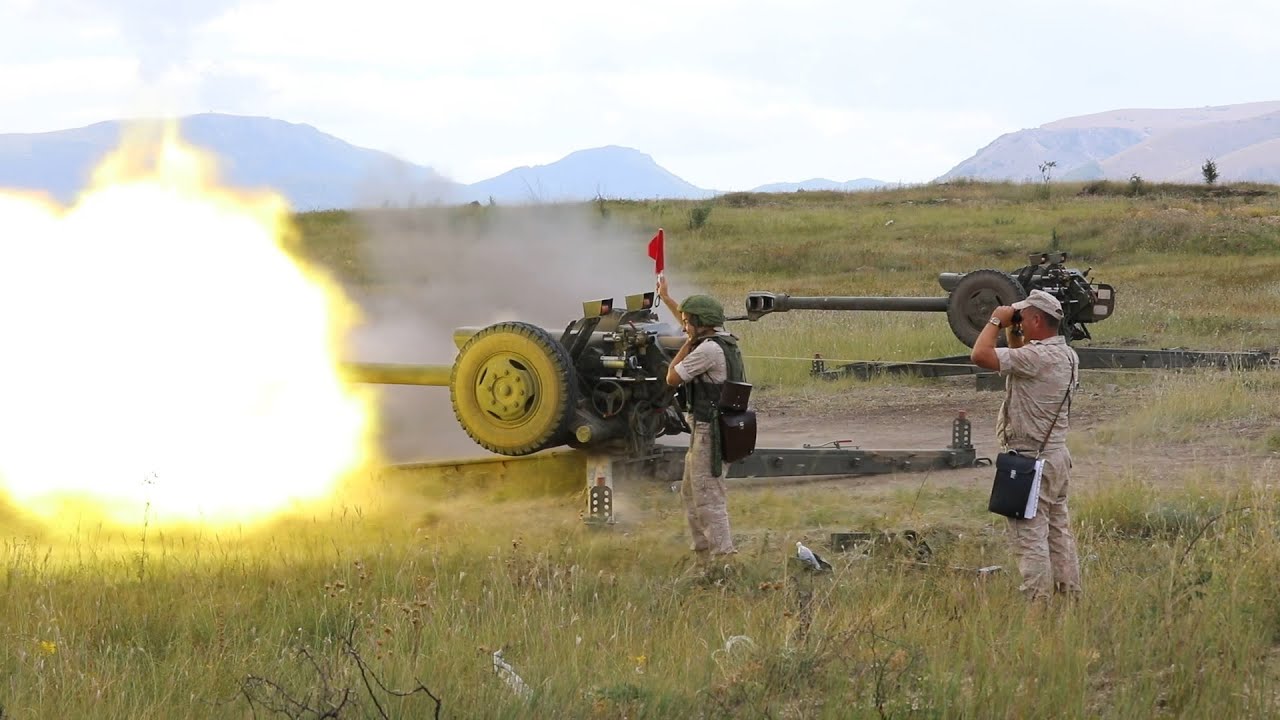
(315, 170)
(1157, 145)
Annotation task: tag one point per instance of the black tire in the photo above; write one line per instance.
(513, 389)
(975, 296)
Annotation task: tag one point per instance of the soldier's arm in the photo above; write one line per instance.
(984, 348)
(673, 377)
(693, 359)
(1013, 337)
(667, 300)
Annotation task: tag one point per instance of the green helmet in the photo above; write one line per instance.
(703, 310)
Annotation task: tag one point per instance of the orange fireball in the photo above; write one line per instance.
(163, 358)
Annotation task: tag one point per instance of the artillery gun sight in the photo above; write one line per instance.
(973, 295)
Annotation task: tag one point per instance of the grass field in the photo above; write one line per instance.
(394, 602)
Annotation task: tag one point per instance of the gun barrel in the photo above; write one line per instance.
(668, 342)
(463, 334)
(763, 303)
(395, 374)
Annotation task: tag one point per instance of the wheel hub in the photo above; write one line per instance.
(505, 389)
(980, 306)
(513, 389)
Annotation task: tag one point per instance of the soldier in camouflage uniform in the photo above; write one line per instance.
(1040, 377)
(709, 358)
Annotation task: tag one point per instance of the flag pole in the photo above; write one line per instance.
(658, 253)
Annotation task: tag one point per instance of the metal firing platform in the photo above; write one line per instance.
(1091, 358)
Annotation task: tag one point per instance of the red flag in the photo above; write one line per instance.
(655, 252)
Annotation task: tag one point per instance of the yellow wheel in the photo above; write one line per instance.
(513, 389)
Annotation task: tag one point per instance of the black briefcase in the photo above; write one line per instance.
(1015, 493)
(737, 434)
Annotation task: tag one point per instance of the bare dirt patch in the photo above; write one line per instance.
(920, 416)
(418, 425)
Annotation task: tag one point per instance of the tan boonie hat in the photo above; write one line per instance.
(1041, 300)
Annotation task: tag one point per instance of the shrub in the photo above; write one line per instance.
(698, 216)
(1210, 171)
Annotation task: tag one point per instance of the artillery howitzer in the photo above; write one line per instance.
(600, 386)
(517, 389)
(972, 296)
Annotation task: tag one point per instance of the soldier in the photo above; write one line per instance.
(1033, 420)
(709, 358)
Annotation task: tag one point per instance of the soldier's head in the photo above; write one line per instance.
(702, 312)
(1041, 315)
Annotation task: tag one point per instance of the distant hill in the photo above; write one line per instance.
(822, 184)
(607, 172)
(1158, 145)
(313, 170)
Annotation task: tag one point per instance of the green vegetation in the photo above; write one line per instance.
(419, 589)
(1179, 620)
(1194, 266)
(1210, 171)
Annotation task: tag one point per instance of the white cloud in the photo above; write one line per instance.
(76, 91)
(726, 94)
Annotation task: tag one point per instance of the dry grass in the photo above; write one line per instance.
(1178, 618)
(419, 584)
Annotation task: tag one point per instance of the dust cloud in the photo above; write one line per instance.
(431, 270)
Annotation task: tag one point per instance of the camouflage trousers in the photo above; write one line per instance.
(1044, 545)
(705, 503)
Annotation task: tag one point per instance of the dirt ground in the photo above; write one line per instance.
(418, 422)
(920, 417)
(419, 426)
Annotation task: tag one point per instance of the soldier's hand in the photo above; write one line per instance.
(662, 288)
(1004, 314)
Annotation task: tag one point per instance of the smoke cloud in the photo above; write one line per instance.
(436, 269)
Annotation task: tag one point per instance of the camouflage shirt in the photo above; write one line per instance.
(1039, 374)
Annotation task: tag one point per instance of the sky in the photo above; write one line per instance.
(726, 95)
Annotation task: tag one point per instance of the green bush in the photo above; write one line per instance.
(698, 216)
